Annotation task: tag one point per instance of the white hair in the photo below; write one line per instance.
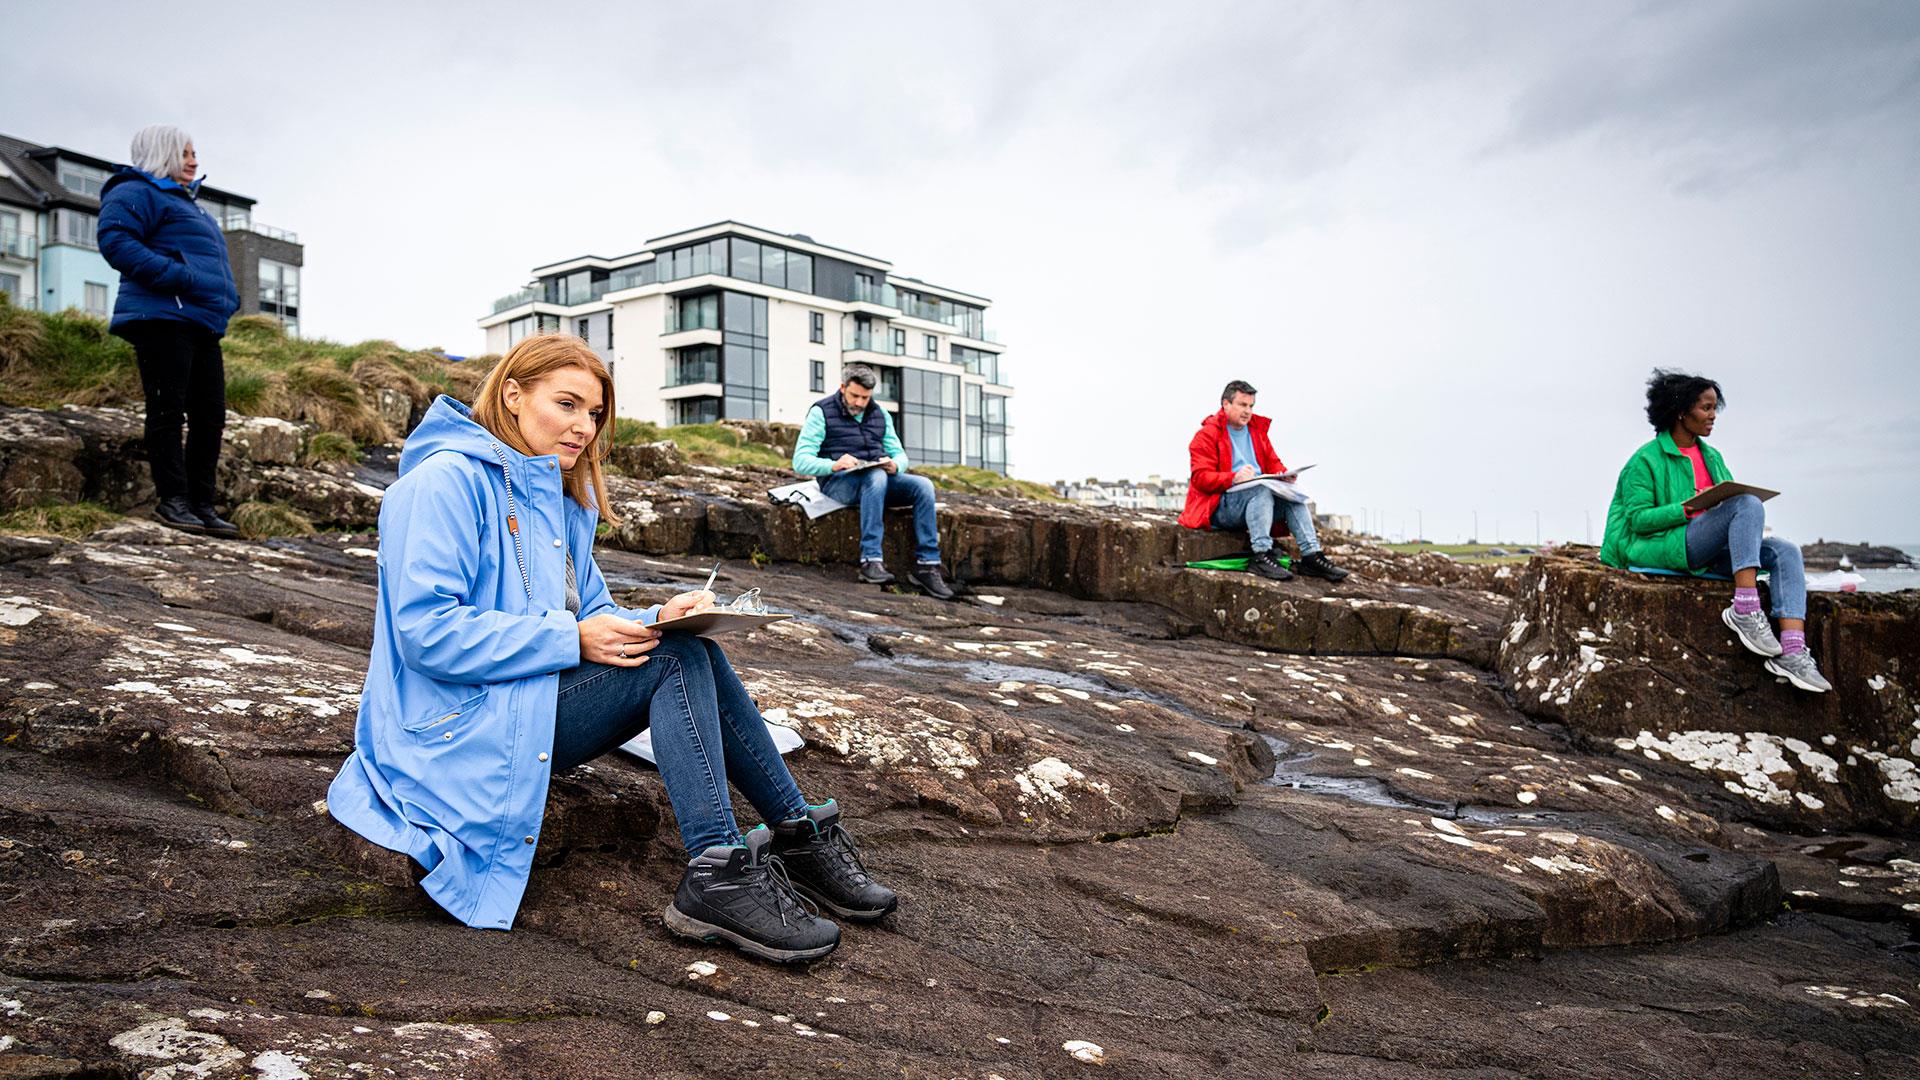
(159, 149)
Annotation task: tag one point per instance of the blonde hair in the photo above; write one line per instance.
(533, 359)
(159, 149)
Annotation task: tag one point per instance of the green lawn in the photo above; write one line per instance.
(1477, 553)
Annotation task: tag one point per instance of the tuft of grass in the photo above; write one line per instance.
(264, 520)
(47, 361)
(704, 444)
(971, 481)
(71, 520)
(330, 446)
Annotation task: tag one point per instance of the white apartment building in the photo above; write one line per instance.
(1154, 494)
(736, 322)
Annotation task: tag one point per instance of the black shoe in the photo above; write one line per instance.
(874, 572)
(742, 895)
(216, 525)
(1264, 564)
(825, 865)
(1318, 565)
(927, 577)
(175, 512)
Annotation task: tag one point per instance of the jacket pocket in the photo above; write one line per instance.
(445, 719)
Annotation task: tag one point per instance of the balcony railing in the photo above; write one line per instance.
(18, 245)
(876, 343)
(27, 301)
(237, 224)
(515, 299)
(886, 295)
(688, 372)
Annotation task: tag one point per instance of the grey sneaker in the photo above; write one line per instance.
(1754, 631)
(1800, 670)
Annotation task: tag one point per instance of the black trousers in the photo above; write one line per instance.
(185, 379)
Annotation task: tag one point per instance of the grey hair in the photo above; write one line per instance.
(159, 149)
(858, 373)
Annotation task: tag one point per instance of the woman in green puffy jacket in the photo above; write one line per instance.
(1649, 526)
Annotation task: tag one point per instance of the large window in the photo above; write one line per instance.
(519, 329)
(697, 364)
(74, 227)
(930, 416)
(993, 435)
(743, 355)
(978, 361)
(280, 291)
(698, 312)
(769, 264)
(96, 299)
(10, 284)
(576, 288)
(81, 179)
(703, 410)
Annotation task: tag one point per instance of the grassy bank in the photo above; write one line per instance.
(706, 444)
(1479, 553)
(50, 360)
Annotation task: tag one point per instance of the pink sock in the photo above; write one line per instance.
(1793, 641)
(1746, 601)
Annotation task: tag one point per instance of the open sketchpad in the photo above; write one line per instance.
(1234, 562)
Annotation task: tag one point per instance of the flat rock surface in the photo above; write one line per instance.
(1121, 842)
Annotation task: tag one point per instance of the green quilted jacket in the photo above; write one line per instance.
(1647, 523)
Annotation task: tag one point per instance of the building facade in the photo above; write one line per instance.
(729, 321)
(1154, 494)
(50, 258)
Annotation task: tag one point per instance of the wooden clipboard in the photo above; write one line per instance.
(1721, 492)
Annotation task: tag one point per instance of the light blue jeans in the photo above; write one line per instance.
(706, 731)
(1730, 537)
(1252, 509)
(873, 490)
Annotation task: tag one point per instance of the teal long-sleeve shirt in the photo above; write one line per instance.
(806, 450)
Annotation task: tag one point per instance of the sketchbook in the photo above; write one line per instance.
(1721, 492)
(807, 496)
(717, 621)
(786, 740)
(1280, 488)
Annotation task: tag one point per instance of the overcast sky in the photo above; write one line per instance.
(1446, 241)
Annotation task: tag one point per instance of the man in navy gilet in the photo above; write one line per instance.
(848, 443)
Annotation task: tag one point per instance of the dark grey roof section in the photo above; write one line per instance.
(33, 167)
(775, 232)
(16, 195)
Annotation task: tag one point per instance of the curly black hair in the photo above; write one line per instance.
(1670, 394)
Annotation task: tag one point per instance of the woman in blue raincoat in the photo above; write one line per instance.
(499, 658)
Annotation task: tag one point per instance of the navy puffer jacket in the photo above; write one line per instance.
(171, 255)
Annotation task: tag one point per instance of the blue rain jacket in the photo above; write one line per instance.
(470, 634)
(171, 254)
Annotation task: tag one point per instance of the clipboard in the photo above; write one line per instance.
(1721, 492)
(717, 621)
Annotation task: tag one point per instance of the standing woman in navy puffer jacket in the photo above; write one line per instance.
(176, 295)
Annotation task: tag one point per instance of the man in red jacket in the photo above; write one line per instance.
(1232, 447)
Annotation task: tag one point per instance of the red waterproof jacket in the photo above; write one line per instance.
(1211, 452)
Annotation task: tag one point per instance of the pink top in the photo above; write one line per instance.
(1702, 480)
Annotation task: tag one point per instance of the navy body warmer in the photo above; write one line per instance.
(864, 438)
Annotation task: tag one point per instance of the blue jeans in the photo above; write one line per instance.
(873, 490)
(706, 731)
(1729, 538)
(1252, 509)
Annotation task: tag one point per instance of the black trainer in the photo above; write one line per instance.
(825, 865)
(742, 895)
(216, 525)
(927, 577)
(1264, 564)
(1318, 565)
(874, 572)
(174, 511)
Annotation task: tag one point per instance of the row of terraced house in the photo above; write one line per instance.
(50, 258)
(730, 321)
